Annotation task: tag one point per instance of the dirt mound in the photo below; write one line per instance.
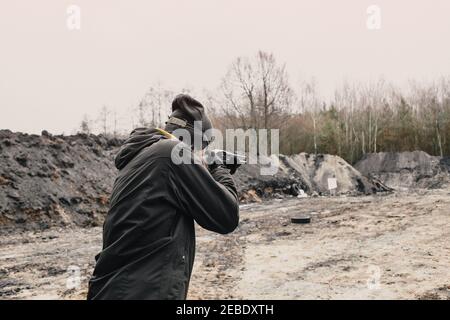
(48, 180)
(308, 173)
(402, 170)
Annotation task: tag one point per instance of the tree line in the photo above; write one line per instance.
(359, 118)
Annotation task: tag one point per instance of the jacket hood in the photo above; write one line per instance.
(139, 139)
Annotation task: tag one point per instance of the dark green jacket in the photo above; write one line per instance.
(148, 235)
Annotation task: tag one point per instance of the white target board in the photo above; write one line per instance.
(332, 183)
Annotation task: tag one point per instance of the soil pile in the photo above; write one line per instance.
(305, 173)
(406, 170)
(47, 180)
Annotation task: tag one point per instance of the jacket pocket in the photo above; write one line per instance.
(177, 284)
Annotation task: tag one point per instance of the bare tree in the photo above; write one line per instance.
(275, 95)
(154, 106)
(86, 124)
(103, 118)
(256, 92)
(309, 104)
(115, 123)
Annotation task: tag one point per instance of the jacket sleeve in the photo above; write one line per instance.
(210, 198)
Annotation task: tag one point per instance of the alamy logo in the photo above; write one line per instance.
(73, 20)
(254, 143)
(73, 280)
(373, 17)
(373, 281)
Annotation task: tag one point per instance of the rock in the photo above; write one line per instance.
(64, 201)
(22, 159)
(250, 196)
(20, 220)
(3, 181)
(13, 194)
(45, 133)
(76, 200)
(7, 142)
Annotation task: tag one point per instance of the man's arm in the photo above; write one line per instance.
(210, 198)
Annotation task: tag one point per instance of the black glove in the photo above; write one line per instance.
(223, 158)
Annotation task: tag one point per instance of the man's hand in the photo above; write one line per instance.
(226, 159)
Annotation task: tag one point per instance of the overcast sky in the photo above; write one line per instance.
(50, 76)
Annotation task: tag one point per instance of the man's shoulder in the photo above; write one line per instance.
(163, 148)
(172, 151)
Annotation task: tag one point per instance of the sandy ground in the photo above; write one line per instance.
(393, 246)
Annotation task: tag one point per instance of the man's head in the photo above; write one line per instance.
(187, 112)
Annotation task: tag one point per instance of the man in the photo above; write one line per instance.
(148, 235)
